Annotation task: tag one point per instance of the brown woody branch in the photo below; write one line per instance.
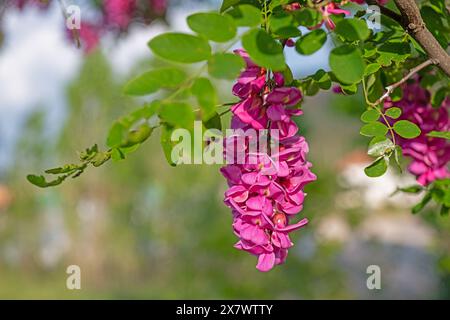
(411, 20)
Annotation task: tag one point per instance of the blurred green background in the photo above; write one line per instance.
(142, 229)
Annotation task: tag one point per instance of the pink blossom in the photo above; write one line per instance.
(89, 36)
(327, 11)
(429, 156)
(119, 12)
(159, 6)
(266, 191)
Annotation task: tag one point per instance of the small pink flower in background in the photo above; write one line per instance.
(329, 10)
(39, 3)
(89, 35)
(159, 6)
(430, 156)
(290, 43)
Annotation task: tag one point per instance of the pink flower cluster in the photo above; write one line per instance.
(266, 193)
(430, 156)
(115, 15)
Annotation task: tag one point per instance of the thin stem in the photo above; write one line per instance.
(75, 32)
(224, 112)
(413, 71)
(375, 107)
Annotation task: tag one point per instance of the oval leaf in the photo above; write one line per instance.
(377, 168)
(380, 146)
(439, 134)
(180, 47)
(352, 29)
(406, 129)
(394, 112)
(225, 65)
(177, 114)
(373, 129)
(311, 42)
(213, 26)
(264, 49)
(347, 64)
(154, 80)
(206, 96)
(246, 15)
(370, 116)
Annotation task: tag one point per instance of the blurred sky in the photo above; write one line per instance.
(37, 62)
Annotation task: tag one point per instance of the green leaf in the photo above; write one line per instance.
(439, 134)
(167, 144)
(116, 135)
(370, 115)
(89, 153)
(352, 29)
(288, 32)
(347, 64)
(398, 156)
(180, 47)
(373, 129)
(393, 51)
(412, 189)
(322, 78)
(62, 170)
(376, 168)
(119, 132)
(418, 207)
(206, 96)
(40, 181)
(308, 17)
(154, 80)
(137, 136)
(246, 15)
(100, 158)
(264, 50)
(371, 68)
(226, 4)
(214, 122)
(380, 146)
(439, 96)
(225, 65)
(177, 114)
(349, 89)
(283, 25)
(406, 129)
(311, 42)
(213, 26)
(393, 112)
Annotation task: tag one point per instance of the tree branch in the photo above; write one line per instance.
(412, 72)
(411, 20)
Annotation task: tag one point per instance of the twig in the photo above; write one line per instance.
(411, 20)
(75, 32)
(392, 87)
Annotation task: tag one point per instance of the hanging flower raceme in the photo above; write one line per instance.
(430, 156)
(266, 189)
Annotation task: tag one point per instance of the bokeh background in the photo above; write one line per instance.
(142, 229)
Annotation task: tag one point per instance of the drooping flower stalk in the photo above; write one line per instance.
(266, 193)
